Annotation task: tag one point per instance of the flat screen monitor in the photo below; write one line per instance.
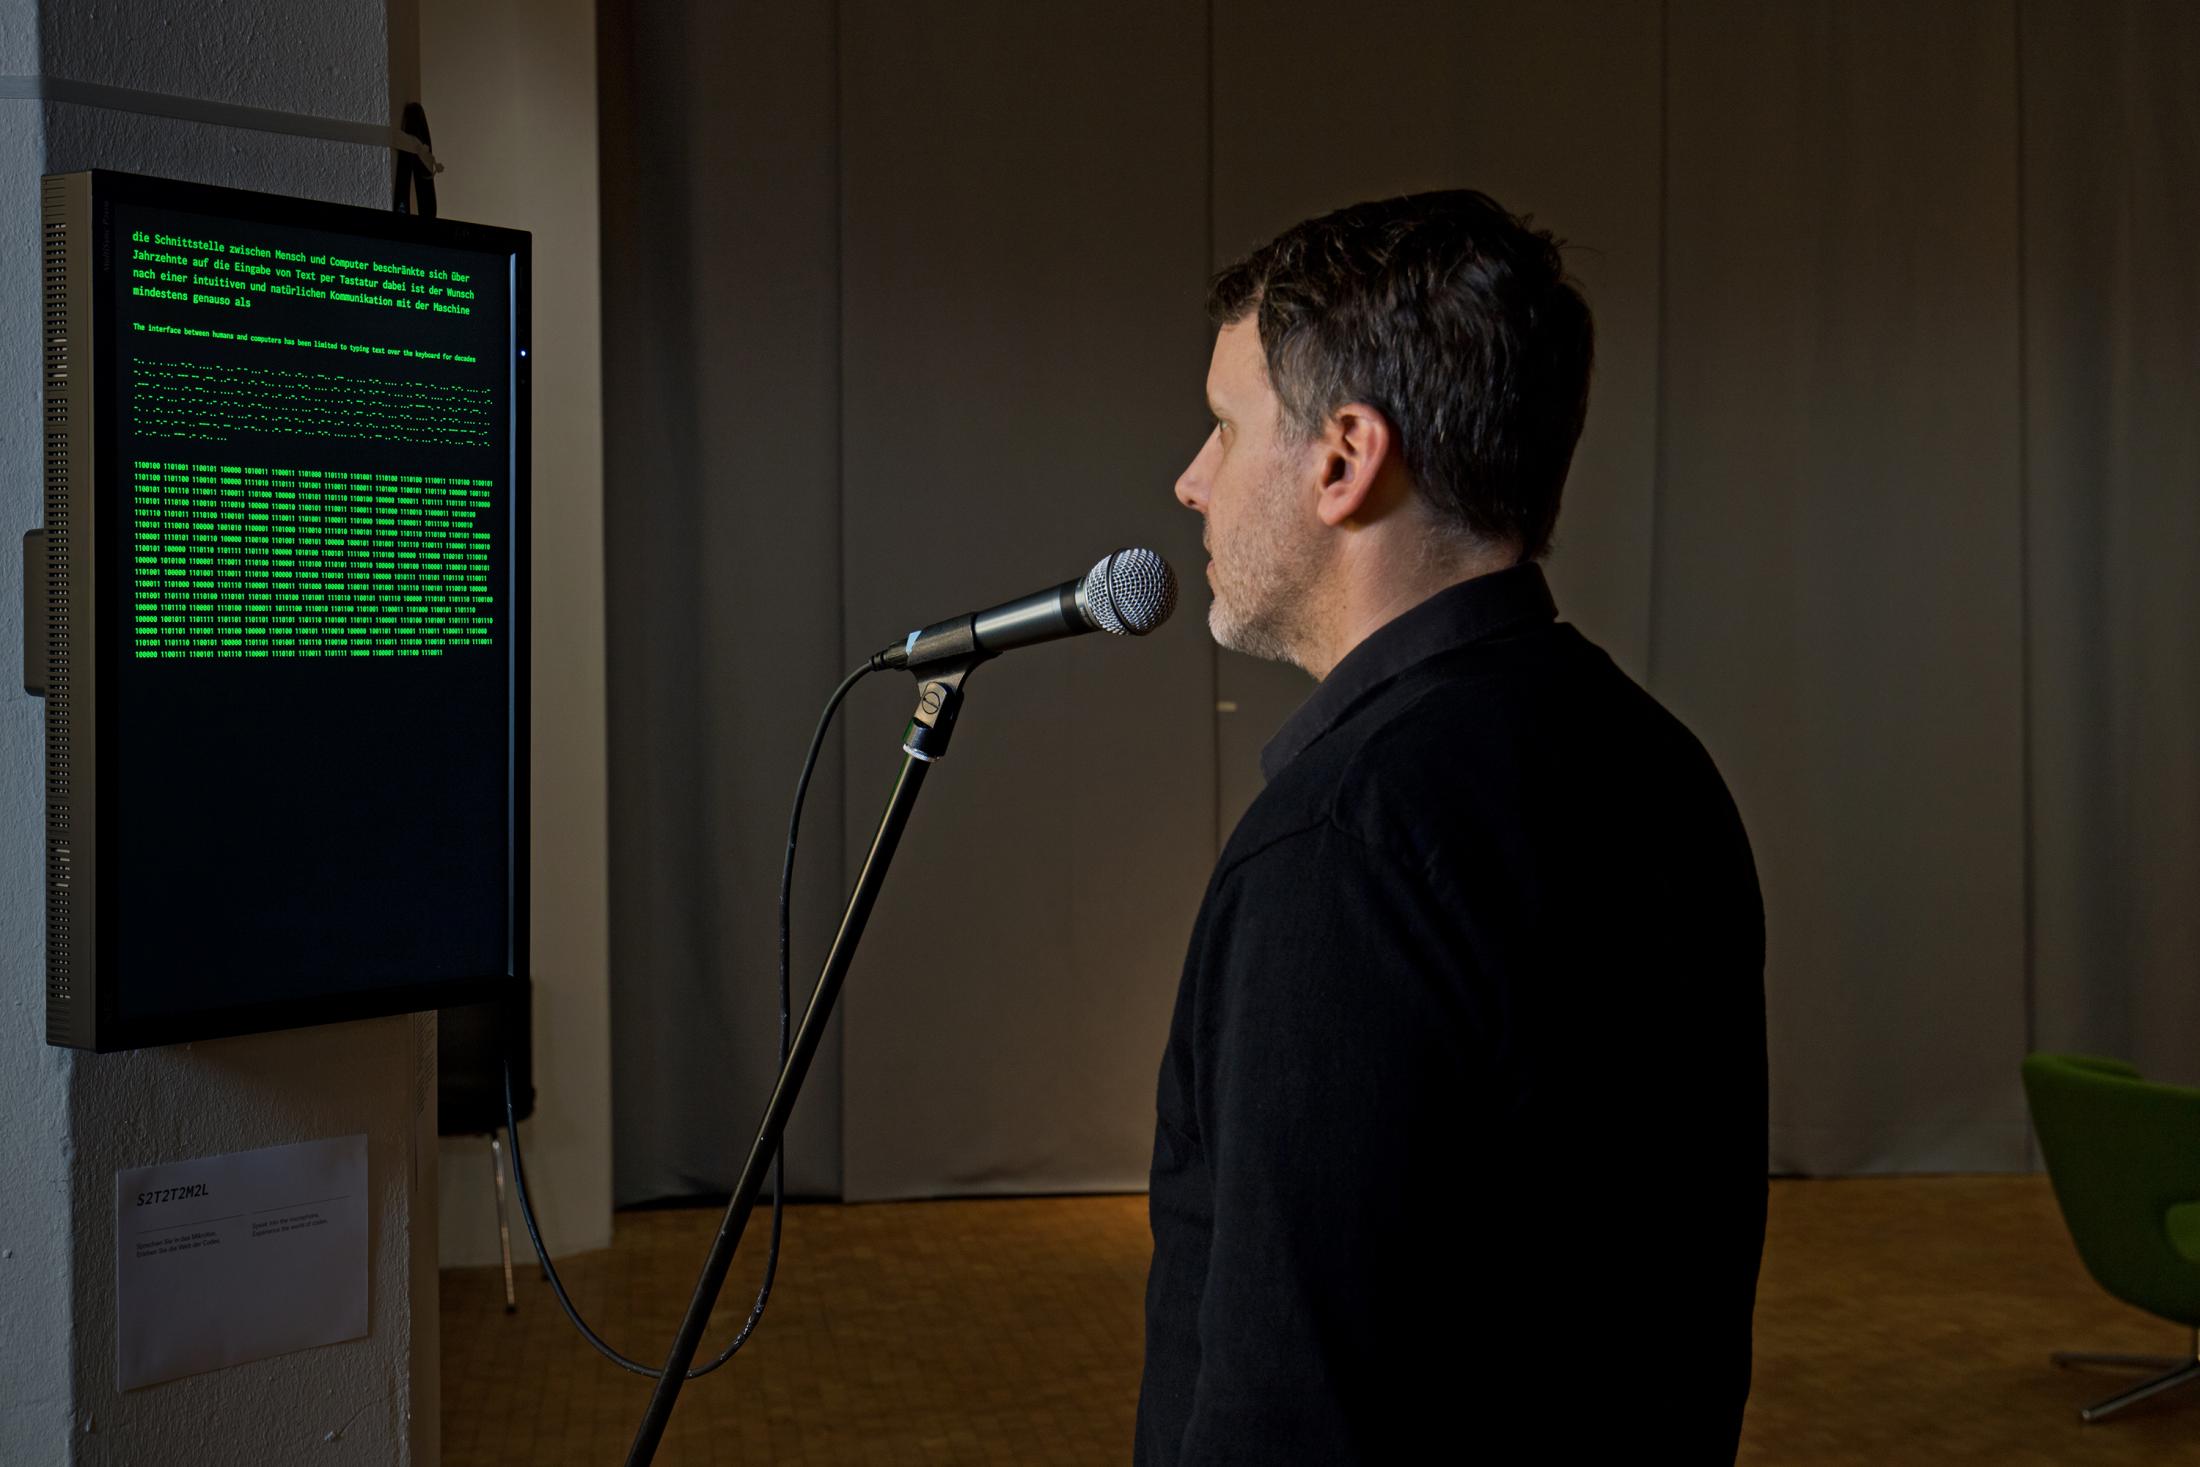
(278, 610)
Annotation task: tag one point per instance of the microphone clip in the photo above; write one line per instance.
(939, 703)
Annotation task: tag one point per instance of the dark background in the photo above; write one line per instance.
(1886, 490)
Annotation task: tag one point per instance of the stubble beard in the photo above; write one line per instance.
(1265, 571)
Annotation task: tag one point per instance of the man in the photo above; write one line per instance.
(1460, 1154)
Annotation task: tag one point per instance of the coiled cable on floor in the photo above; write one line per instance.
(779, 1158)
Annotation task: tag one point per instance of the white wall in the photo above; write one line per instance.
(72, 1120)
(34, 1136)
(510, 92)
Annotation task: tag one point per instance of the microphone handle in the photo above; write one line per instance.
(1043, 616)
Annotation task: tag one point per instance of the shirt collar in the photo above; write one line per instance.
(1469, 611)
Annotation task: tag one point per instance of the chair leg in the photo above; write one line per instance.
(504, 1225)
(2183, 1375)
(2084, 1360)
(2179, 1370)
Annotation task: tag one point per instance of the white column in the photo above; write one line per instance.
(72, 1120)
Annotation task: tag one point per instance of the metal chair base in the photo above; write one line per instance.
(504, 1226)
(2178, 1370)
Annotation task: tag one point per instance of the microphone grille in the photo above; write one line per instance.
(1129, 592)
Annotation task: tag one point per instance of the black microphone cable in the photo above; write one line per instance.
(779, 1158)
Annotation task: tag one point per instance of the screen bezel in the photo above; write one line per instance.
(116, 1029)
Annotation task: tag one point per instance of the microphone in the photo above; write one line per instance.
(1126, 593)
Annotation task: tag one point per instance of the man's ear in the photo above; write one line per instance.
(1356, 444)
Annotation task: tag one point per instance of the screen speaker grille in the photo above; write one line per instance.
(59, 873)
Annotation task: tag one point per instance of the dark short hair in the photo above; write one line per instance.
(1452, 318)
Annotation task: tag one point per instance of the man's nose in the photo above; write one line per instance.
(1191, 485)
(1188, 493)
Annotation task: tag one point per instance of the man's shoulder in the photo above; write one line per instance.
(1490, 711)
(1475, 737)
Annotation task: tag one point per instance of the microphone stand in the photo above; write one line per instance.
(939, 700)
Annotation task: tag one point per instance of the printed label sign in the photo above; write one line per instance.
(233, 1258)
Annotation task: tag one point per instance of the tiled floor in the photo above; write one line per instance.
(1899, 1321)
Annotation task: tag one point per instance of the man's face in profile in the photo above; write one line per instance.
(1261, 527)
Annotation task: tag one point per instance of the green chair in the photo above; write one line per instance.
(2124, 1158)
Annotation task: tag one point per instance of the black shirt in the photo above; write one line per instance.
(1460, 1152)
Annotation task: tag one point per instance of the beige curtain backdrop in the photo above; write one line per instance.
(2111, 230)
(722, 539)
(1838, 595)
(1888, 489)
